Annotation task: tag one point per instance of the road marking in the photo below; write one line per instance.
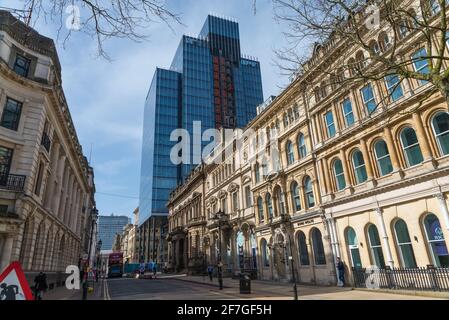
(106, 290)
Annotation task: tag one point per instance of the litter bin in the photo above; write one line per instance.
(245, 283)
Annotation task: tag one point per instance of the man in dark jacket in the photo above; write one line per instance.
(341, 272)
(210, 271)
(40, 285)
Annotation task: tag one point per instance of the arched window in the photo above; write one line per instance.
(260, 209)
(285, 120)
(404, 244)
(323, 90)
(290, 116)
(302, 149)
(318, 248)
(435, 240)
(308, 190)
(410, 146)
(375, 47)
(265, 253)
(353, 247)
(264, 168)
(375, 246)
(383, 158)
(403, 29)
(257, 172)
(339, 175)
(361, 62)
(303, 251)
(440, 124)
(280, 201)
(352, 67)
(317, 92)
(269, 205)
(289, 152)
(359, 167)
(385, 41)
(295, 196)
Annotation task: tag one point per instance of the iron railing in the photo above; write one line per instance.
(45, 141)
(12, 182)
(427, 278)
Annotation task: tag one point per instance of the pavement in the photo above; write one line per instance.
(277, 290)
(62, 293)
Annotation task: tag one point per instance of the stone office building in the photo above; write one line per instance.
(369, 186)
(46, 185)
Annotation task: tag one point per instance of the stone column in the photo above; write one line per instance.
(319, 127)
(422, 137)
(6, 251)
(321, 171)
(326, 175)
(57, 194)
(443, 208)
(391, 149)
(315, 130)
(344, 163)
(49, 194)
(337, 121)
(48, 263)
(42, 258)
(76, 211)
(72, 196)
(65, 181)
(384, 236)
(367, 159)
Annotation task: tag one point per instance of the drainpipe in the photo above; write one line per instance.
(383, 234)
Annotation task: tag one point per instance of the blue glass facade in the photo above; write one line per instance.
(161, 116)
(208, 83)
(108, 227)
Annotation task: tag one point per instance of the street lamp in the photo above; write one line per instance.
(98, 269)
(218, 216)
(94, 215)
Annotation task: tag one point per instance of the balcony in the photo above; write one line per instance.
(46, 142)
(11, 215)
(196, 221)
(12, 182)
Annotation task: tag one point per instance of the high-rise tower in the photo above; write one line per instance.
(209, 82)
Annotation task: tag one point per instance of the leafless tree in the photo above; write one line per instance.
(101, 19)
(384, 32)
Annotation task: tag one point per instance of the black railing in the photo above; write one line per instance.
(45, 141)
(12, 182)
(418, 279)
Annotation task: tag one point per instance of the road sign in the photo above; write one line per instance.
(13, 284)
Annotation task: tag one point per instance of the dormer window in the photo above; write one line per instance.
(22, 65)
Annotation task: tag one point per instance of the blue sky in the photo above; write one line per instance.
(106, 98)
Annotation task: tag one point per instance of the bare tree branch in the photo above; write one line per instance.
(363, 49)
(101, 19)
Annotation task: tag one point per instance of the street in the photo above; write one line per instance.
(135, 289)
(198, 288)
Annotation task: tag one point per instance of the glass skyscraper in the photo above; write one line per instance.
(108, 227)
(208, 81)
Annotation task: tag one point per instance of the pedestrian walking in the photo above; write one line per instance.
(40, 285)
(154, 270)
(210, 271)
(341, 272)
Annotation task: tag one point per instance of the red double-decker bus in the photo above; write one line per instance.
(115, 264)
